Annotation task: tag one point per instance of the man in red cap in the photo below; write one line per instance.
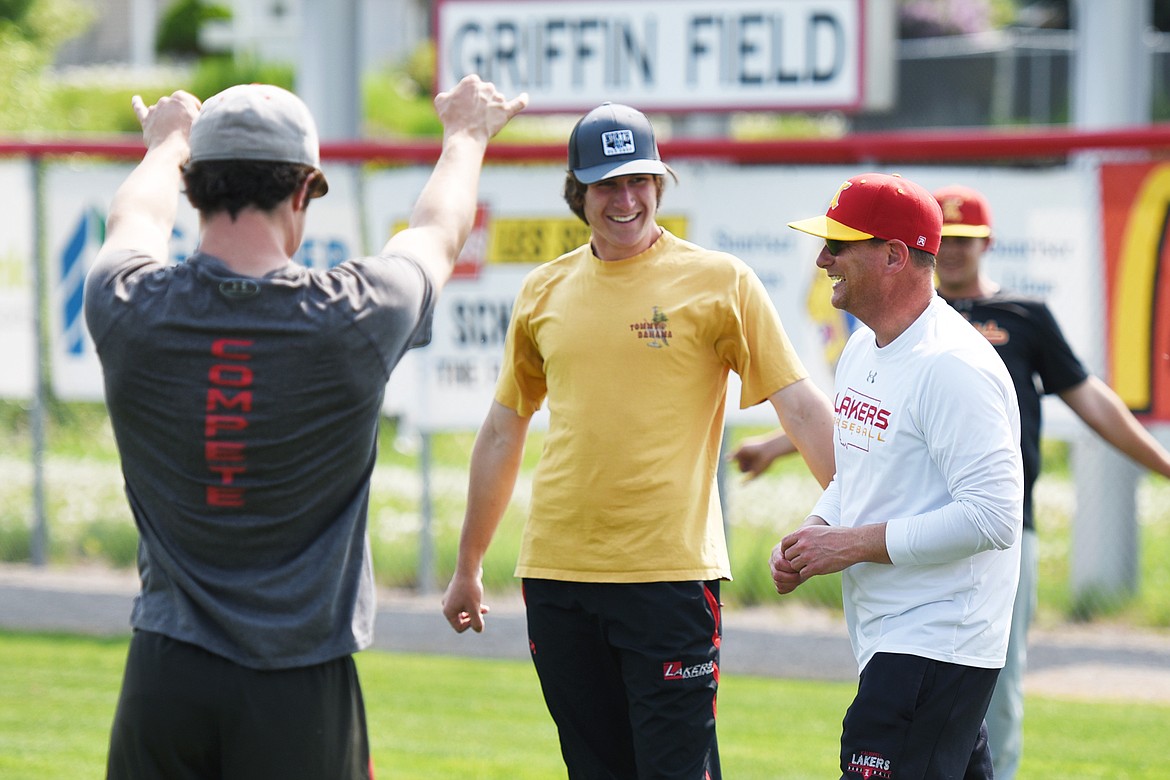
(923, 516)
(1040, 360)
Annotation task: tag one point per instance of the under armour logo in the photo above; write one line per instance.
(872, 376)
(239, 289)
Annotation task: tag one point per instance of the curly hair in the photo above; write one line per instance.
(233, 185)
(574, 191)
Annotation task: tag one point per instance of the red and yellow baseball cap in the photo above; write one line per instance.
(965, 212)
(879, 205)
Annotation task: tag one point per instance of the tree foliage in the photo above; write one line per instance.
(14, 10)
(43, 23)
(178, 32)
(933, 18)
(31, 31)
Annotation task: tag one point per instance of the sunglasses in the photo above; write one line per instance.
(835, 246)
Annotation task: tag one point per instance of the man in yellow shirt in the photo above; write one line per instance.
(629, 339)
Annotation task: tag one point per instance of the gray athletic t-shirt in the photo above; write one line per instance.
(245, 412)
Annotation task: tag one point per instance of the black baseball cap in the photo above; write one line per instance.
(613, 140)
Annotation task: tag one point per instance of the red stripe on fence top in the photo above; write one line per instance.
(902, 146)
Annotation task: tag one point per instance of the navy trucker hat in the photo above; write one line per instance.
(613, 140)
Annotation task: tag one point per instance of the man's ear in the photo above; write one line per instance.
(897, 255)
(303, 193)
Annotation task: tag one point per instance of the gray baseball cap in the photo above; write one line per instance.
(259, 122)
(613, 140)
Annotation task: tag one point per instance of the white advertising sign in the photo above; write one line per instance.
(78, 197)
(677, 55)
(458, 370)
(1043, 245)
(18, 357)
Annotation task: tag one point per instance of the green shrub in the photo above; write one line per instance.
(394, 107)
(178, 30)
(30, 35)
(750, 548)
(215, 74)
(114, 542)
(15, 541)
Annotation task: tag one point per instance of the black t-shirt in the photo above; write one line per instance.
(246, 414)
(1038, 357)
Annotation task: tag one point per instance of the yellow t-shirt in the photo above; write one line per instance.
(633, 357)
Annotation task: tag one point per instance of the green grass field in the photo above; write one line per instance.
(434, 718)
(439, 717)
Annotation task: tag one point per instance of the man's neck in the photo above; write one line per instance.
(979, 287)
(253, 244)
(898, 313)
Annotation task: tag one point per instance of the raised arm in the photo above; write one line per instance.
(471, 113)
(142, 212)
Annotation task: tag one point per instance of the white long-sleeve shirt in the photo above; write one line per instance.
(928, 441)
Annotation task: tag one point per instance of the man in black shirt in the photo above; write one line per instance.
(245, 391)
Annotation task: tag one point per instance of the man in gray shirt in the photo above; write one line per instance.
(244, 391)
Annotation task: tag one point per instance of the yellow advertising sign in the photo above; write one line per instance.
(534, 240)
(540, 239)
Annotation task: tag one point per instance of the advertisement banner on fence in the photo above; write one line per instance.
(17, 334)
(1042, 246)
(78, 196)
(1136, 223)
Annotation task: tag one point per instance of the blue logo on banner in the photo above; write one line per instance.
(86, 237)
(79, 250)
(322, 254)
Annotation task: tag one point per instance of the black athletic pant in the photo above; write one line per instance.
(187, 714)
(918, 719)
(630, 674)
